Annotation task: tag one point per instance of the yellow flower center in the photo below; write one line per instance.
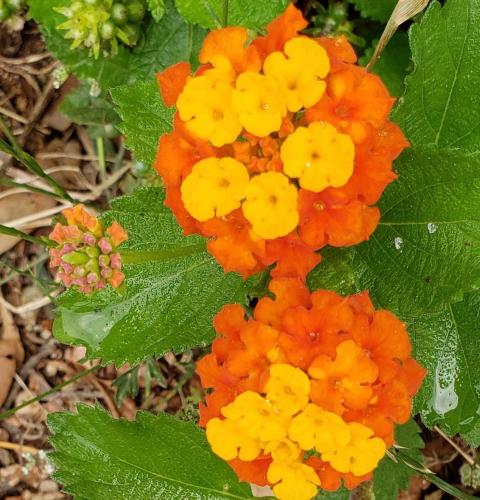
(206, 106)
(299, 75)
(287, 389)
(215, 187)
(284, 451)
(259, 103)
(271, 205)
(318, 156)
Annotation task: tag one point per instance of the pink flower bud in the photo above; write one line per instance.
(89, 239)
(115, 261)
(105, 246)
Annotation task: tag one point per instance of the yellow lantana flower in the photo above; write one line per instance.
(362, 453)
(318, 156)
(287, 389)
(255, 417)
(299, 75)
(228, 442)
(319, 429)
(206, 106)
(259, 103)
(271, 205)
(284, 451)
(214, 188)
(295, 481)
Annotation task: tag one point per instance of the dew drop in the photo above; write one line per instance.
(431, 227)
(398, 242)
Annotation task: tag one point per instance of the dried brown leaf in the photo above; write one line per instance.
(404, 10)
(19, 205)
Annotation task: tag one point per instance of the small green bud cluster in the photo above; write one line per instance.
(100, 25)
(9, 8)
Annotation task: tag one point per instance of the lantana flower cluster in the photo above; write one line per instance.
(86, 254)
(280, 147)
(306, 393)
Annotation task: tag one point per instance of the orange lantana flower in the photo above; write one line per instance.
(288, 105)
(353, 361)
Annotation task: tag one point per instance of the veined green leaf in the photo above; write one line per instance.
(154, 457)
(390, 477)
(164, 43)
(447, 344)
(144, 118)
(426, 250)
(170, 297)
(394, 63)
(378, 10)
(80, 107)
(157, 8)
(253, 14)
(440, 105)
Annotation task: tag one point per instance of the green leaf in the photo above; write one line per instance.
(152, 457)
(164, 43)
(378, 10)
(394, 64)
(335, 272)
(472, 437)
(157, 8)
(81, 107)
(170, 297)
(440, 105)
(341, 494)
(426, 250)
(391, 477)
(447, 344)
(253, 14)
(145, 118)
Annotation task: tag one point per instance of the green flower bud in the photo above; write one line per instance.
(76, 258)
(119, 14)
(133, 33)
(136, 11)
(92, 252)
(107, 31)
(76, 7)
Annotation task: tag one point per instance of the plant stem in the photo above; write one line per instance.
(5, 181)
(80, 375)
(101, 157)
(399, 455)
(14, 149)
(11, 231)
(225, 13)
(140, 256)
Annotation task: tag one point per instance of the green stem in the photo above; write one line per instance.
(14, 149)
(421, 469)
(101, 157)
(140, 256)
(53, 390)
(225, 13)
(11, 231)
